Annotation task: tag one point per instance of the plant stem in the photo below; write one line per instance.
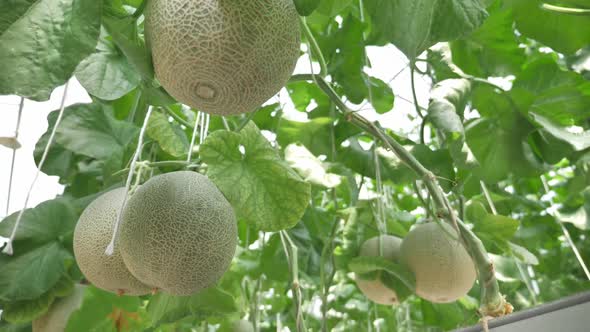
(178, 118)
(413, 83)
(314, 47)
(139, 11)
(249, 117)
(488, 197)
(291, 251)
(16, 132)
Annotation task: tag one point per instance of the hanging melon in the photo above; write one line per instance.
(223, 57)
(444, 270)
(92, 235)
(388, 247)
(179, 233)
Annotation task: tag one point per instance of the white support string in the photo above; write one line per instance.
(381, 223)
(204, 127)
(191, 146)
(16, 131)
(566, 233)
(8, 249)
(111, 247)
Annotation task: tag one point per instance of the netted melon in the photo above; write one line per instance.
(56, 318)
(92, 235)
(386, 246)
(179, 233)
(444, 270)
(223, 57)
(242, 325)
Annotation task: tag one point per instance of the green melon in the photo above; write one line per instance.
(376, 290)
(92, 235)
(444, 270)
(179, 233)
(242, 325)
(56, 318)
(223, 57)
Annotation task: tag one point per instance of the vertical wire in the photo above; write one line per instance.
(20, 112)
(8, 249)
(111, 247)
(566, 233)
(190, 149)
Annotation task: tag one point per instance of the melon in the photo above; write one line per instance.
(386, 246)
(179, 233)
(56, 318)
(443, 269)
(92, 235)
(242, 325)
(223, 57)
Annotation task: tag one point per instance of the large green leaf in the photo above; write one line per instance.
(212, 302)
(27, 310)
(560, 96)
(93, 131)
(306, 7)
(492, 49)
(106, 73)
(47, 222)
(499, 139)
(581, 216)
(447, 102)
(413, 26)
(261, 187)
(164, 308)
(578, 141)
(380, 95)
(42, 43)
(564, 33)
(104, 311)
(29, 275)
(170, 137)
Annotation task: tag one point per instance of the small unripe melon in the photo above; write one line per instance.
(92, 235)
(179, 233)
(223, 57)
(242, 325)
(444, 270)
(56, 318)
(386, 246)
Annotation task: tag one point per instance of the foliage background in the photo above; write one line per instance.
(536, 124)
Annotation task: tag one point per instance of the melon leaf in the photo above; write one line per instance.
(413, 26)
(306, 7)
(107, 74)
(29, 275)
(261, 187)
(165, 308)
(171, 140)
(38, 54)
(101, 310)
